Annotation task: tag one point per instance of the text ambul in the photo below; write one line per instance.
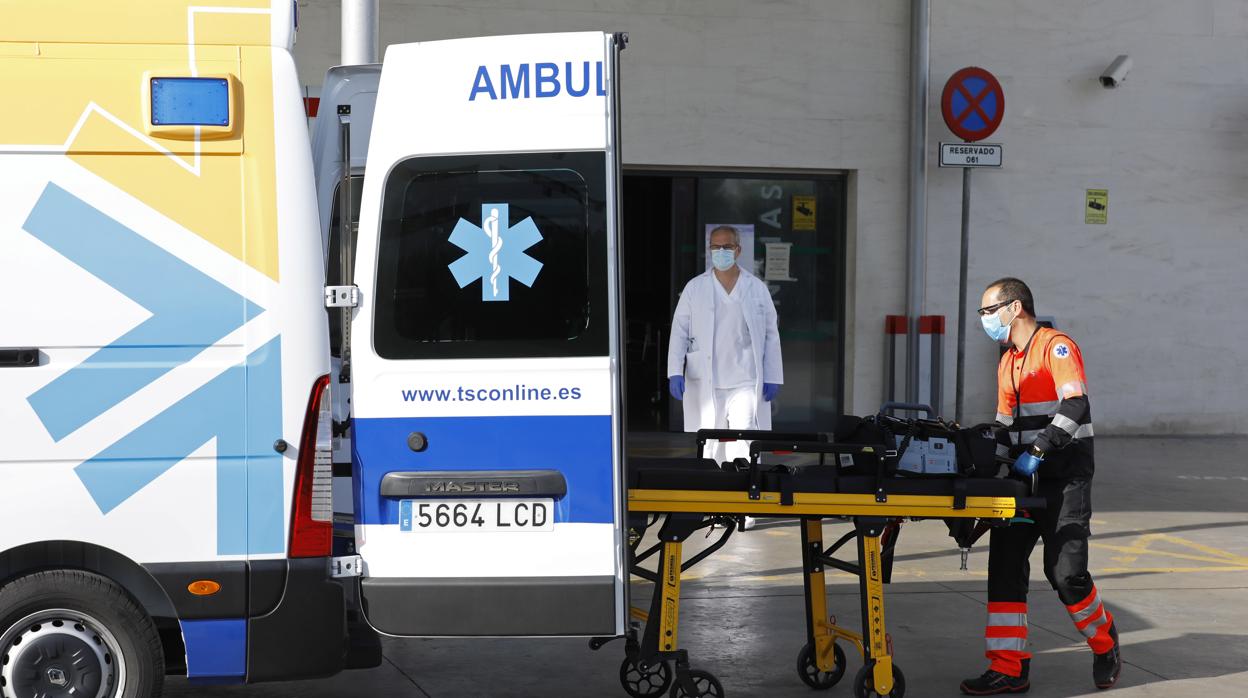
(538, 80)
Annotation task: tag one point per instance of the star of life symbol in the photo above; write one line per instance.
(495, 252)
(1061, 351)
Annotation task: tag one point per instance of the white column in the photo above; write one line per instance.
(359, 31)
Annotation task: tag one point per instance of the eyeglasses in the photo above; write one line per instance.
(989, 309)
(729, 246)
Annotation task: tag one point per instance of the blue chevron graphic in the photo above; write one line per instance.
(190, 310)
(249, 473)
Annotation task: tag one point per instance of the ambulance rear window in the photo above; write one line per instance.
(491, 256)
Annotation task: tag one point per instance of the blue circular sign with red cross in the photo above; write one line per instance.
(972, 104)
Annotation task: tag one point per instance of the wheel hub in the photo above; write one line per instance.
(56, 676)
(59, 654)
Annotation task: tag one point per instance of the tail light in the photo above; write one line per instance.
(312, 515)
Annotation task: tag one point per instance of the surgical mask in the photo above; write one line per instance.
(723, 259)
(997, 331)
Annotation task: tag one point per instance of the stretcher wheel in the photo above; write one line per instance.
(647, 683)
(864, 683)
(808, 669)
(707, 685)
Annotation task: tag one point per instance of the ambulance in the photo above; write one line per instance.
(477, 339)
(167, 421)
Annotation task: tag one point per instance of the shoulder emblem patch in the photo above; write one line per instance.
(1061, 351)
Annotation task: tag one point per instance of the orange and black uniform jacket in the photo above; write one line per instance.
(1042, 399)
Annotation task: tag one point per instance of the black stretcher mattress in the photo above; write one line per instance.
(705, 474)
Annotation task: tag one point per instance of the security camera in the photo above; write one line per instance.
(1116, 73)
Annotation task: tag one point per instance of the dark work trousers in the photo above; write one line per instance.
(1064, 527)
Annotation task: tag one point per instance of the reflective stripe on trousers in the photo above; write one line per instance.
(1005, 637)
(1093, 620)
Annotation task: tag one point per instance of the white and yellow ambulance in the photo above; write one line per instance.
(166, 427)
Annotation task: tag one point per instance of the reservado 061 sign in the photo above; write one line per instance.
(970, 155)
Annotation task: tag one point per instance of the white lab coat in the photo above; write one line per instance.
(693, 334)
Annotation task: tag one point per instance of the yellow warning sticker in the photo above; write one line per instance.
(1097, 208)
(803, 213)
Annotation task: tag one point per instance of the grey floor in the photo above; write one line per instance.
(1169, 552)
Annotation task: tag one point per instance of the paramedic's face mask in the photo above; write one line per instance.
(990, 318)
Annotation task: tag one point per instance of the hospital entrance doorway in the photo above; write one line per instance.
(792, 229)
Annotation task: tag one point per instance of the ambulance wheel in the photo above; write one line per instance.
(71, 633)
(707, 686)
(864, 683)
(646, 683)
(808, 669)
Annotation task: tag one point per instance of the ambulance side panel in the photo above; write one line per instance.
(166, 280)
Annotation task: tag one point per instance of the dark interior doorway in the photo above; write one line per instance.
(801, 217)
(647, 241)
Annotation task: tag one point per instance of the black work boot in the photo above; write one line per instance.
(992, 683)
(1106, 667)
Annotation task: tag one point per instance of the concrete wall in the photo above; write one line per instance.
(1152, 297)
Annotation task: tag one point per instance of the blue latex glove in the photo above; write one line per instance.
(770, 391)
(1027, 464)
(676, 386)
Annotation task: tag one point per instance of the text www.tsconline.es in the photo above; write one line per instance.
(518, 393)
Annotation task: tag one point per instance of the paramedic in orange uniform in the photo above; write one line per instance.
(1042, 400)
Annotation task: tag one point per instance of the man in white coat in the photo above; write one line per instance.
(723, 360)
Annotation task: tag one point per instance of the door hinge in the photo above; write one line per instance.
(342, 296)
(346, 566)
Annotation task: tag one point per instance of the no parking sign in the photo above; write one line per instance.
(972, 104)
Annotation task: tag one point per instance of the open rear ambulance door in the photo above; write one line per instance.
(485, 348)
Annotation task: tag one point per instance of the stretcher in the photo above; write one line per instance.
(692, 494)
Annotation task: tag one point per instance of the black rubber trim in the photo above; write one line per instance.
(507, 606)
(229, 602)
(305, 636)
(268, 580)
(475, 483)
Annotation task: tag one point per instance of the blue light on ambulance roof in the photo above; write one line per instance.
(190, 102)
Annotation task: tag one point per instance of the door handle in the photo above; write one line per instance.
(19, 357)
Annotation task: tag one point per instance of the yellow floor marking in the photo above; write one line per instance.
(1143, 546)
(1166, 570)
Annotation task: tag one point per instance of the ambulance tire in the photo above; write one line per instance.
(81, 614)
(864, 683)
(707, 686)
(808, 669)
(648, 683)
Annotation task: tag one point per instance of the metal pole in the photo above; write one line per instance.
(346, 234)
(966, 226)
(359, 31)
(916, 229)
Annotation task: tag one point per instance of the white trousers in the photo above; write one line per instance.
(735, 408)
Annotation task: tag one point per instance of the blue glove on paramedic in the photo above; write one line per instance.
(770, 391)
(1028, 463)
(676, 386)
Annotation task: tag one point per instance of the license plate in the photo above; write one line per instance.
(476, 515)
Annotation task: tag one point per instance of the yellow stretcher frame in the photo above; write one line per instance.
(871, 518)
